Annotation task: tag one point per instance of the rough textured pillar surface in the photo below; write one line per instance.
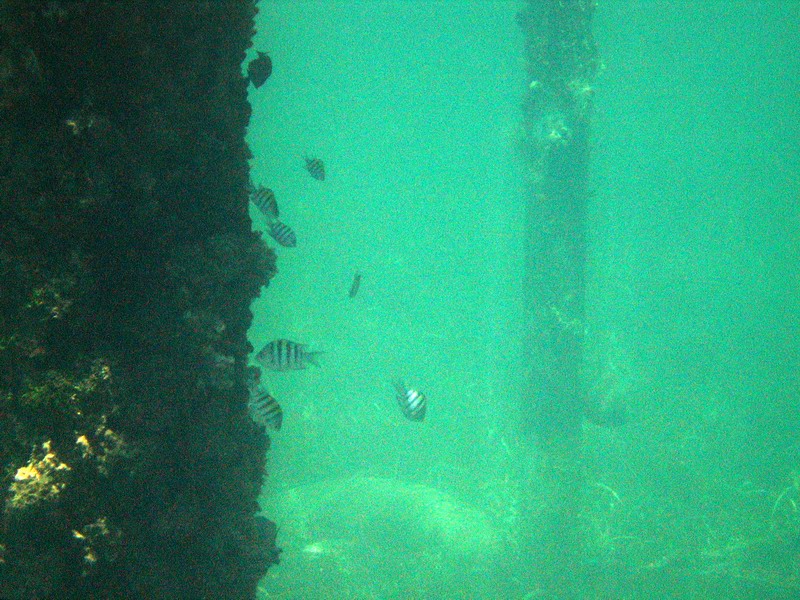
(562, 62)
(130, 467)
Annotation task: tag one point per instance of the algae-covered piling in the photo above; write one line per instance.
(562, 63)
(130, 467)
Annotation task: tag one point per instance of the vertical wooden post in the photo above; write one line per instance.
(129, 467)
(562, 62)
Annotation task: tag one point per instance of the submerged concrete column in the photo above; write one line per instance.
(562, 63)
(130, 467)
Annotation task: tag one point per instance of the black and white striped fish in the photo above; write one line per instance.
(285, 355)
(283, 234)
(264, 199)
(264, 409)
(316, 168)
(413, 403)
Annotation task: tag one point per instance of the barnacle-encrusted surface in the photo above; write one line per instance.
(129, 465)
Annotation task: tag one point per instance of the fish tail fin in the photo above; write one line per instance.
(399, 386)
(311, 357)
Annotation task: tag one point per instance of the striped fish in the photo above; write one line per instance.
(285, 355)
(413, 404)
(316, 168)
(264, 409)
(264, 199)
(283, 234)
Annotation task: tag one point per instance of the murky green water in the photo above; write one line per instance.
(693, 298)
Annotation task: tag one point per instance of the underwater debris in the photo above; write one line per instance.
(259, 69)
(286, 355)
(316, 168)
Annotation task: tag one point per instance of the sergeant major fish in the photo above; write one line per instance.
(282, 234)
(264, 409)
(286, 355)
(412, 403)
(264, 199)
(262, 406)
(316, 168)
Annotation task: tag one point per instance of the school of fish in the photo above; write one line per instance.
(283, 355)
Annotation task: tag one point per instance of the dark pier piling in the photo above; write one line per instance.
(130, 467)
(562, 63)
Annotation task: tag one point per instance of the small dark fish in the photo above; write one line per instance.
(259, 69)
(264, 199)
(264, 409)
(412, 403)
(283, 234)
(285, 355)
(355, 285)
(316, 168)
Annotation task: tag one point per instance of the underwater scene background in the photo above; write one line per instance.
(691, 301)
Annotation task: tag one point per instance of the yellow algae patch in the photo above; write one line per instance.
(41, 480)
